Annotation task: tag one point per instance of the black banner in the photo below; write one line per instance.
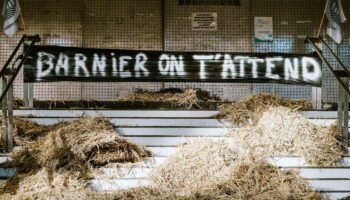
(53, 63)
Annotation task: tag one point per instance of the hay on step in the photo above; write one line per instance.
(149, 193)
(257, 179)
(10, 185)
(87, 139)
(73, 147)
(57, 185)
(215, 169)
(27, 130)
(248, 109)
(188, 97)
(200, 163)
(17, 103)
(104, 147)
(282, 131)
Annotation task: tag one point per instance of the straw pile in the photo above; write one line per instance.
(87, 139)
(44, 185)
(215, 169)
(17, 103)
(201, 169)
(248, 110)
(26, 131)
(282, 131)
(188, 97)
(199, 164)
(236, 167)
(60, 162)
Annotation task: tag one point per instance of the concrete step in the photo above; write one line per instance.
(336, 173)
(162, 130)
(331, 182)
(164, 151)
(118, 113)
(155, 118)
(279, 161)
(116, 184)
(149, 113)
(166, 131)
(168, 122)
(335, 195)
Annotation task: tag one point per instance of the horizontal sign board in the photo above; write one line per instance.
(53, 63)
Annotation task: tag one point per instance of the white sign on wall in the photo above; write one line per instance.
(263, 29)
(204, 21)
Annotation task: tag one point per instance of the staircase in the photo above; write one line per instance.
(161, 130)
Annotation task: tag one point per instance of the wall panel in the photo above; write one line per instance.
(59, 23)
(329, 84)
(292, 21)
(137, 24)
(232, 35)
(121, 24)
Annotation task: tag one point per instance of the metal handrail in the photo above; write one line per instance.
(34, 39)
(335, 57)
(319, 52)
(2, 72)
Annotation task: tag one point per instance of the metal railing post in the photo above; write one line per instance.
(4, 117)
(340, 108)
(8, 77)
(345, 129)
(13, 77)
(28, 95)
(10, 117)
(316, 93)
(342, 78)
